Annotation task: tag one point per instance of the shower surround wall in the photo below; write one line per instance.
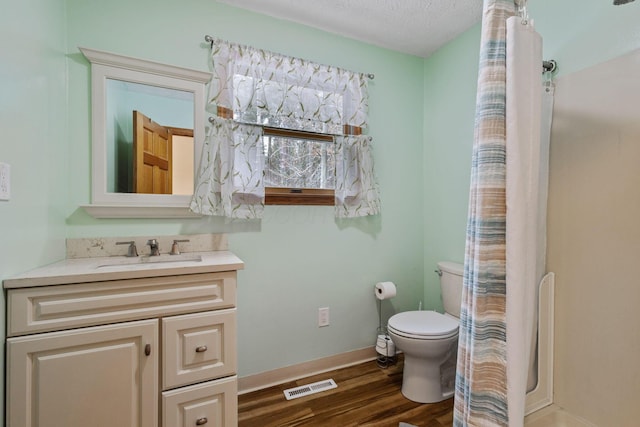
(594, 241)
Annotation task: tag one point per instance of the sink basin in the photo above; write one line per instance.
(149, 260)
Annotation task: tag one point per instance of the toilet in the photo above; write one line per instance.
(429, 341)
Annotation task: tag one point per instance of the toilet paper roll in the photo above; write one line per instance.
(385, 347)
(385, 290)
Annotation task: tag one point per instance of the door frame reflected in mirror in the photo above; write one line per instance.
(104, 66)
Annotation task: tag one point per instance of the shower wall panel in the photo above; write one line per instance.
(594, 241)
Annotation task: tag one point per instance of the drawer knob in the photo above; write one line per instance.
(201, 421)
(147, 349)
(201, 349)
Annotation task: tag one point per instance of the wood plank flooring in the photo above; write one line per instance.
(366, 396)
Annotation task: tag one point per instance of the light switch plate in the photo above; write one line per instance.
(323, 316)
(5, 181)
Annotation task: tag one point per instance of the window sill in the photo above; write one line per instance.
(295, 196)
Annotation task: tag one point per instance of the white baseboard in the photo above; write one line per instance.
(290, 373)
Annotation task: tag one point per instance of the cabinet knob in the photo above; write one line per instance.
(201, 421)
(201, 349)
(147, 349)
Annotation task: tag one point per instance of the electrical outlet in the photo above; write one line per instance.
(5, 181)
(323, 316)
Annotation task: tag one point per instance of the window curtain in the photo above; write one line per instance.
(481, 376)
(356, 187)
(229, 181)
(251, 88)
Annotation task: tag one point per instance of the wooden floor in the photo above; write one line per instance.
(366, 396)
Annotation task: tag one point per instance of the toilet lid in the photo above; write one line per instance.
(427, 324)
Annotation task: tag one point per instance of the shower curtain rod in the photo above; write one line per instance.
(210, 40)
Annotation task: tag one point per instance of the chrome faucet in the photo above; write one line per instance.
(155, 249)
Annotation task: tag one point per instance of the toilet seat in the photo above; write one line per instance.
(425, 325)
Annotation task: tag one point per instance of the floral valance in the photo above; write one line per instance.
(271, 89)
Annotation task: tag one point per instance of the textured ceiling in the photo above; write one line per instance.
(417, 27)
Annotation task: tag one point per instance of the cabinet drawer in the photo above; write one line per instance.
(211, 404)
(50, 308)
(198, 347)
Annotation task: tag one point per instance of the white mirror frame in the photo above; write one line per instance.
(105, 65)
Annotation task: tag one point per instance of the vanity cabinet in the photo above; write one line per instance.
(140, 352)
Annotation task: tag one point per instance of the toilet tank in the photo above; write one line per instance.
(451, 286)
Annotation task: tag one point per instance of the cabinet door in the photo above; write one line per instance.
(210, 404)
(198, 347)
(102, 376)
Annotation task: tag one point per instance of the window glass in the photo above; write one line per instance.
(299, 162)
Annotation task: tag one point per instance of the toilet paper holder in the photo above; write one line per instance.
(386, 351)
(385, 347)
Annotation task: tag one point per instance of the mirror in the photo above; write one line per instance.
(147, 136)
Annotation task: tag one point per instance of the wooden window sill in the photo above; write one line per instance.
(296, 196)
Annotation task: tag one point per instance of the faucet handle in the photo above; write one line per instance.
(132, 251)
(175, 249)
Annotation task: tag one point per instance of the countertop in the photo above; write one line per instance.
(100, 269)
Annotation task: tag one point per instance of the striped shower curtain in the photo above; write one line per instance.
(481, 379)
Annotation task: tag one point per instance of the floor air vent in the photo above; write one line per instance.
(305, 390)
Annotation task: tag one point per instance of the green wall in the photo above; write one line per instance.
(33, 119)
(450, 77)
(580, 33)
(297, 258)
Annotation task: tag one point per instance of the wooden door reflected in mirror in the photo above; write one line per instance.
(156, 149)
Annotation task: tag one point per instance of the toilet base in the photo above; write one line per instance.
(427, 383)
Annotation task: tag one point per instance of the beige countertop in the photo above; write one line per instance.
(100, 269)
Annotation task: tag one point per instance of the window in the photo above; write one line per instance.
(285, 131)
(299, 167)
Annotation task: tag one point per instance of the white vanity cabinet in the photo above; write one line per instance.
(156, 351)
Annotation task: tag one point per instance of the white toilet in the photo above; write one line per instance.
(429, 341)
